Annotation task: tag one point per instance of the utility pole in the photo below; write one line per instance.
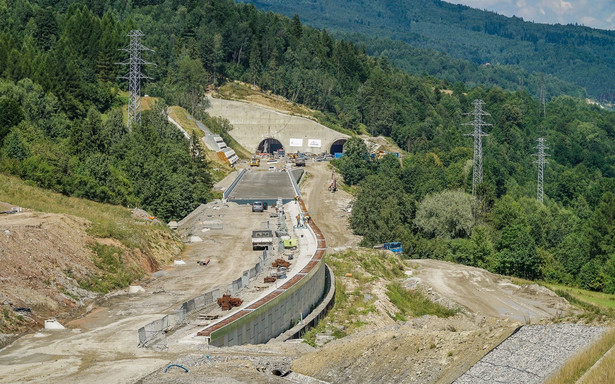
(134, 75)
(541, 161)
(478, 134)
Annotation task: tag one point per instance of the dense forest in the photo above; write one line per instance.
(443, 66)
(61, 126)
(572, 53)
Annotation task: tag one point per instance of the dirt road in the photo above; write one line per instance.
(488, 294)
(328, 209)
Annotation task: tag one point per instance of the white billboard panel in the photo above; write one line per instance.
(314, 143)
(296, 142)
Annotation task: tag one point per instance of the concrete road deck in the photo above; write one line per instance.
(263, 185)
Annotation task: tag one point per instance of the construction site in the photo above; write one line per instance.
(271, 286)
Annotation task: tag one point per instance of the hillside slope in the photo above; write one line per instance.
(61, 252)
(575, 54)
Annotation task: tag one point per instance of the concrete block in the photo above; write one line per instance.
(53, 324)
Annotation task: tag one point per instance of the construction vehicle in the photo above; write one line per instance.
(332, 182)
(290, 243)
(255, 162)
(262, 239)
(394, 246)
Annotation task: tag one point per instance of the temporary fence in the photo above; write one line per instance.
(157, 327)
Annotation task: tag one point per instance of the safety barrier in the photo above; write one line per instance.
(228, 191)
(151, 331)
(294, 182)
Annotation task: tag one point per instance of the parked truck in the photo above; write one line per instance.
(394, 247)
(262, 239)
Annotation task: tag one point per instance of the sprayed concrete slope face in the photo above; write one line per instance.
(253, 124)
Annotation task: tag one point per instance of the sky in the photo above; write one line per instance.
(590, 13)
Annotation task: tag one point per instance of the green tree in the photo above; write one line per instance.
(590, 276)
(482, 250)
(11, 115)
(355, 165)
(446, 214)
(382, 211)
(517, 253)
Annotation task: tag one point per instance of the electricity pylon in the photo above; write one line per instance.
(134, 75)
(478, 134)
(541, 161)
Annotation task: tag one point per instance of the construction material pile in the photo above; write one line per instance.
(226, 302)
(270, 279)
(280, 263)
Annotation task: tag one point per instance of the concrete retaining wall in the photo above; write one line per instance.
(317, 314)
(275, 317)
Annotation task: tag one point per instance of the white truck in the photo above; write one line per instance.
(262, 239)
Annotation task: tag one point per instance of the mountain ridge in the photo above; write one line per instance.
(576, 54)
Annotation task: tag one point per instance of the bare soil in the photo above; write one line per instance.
(102, 345)
(479, 291)
(329, 210)
(45, 257)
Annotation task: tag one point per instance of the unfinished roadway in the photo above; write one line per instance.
(102, 346)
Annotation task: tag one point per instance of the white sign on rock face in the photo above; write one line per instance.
(296, 142)
(314, 143)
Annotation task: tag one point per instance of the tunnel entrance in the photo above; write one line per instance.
(337, 146)
(270, 146)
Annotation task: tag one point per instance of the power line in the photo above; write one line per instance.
(134, 75)
(541, 161)
(478, 134)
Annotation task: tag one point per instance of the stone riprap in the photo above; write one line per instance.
(531, 354)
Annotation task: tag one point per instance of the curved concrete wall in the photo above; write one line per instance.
(279, 310)
(253, 124)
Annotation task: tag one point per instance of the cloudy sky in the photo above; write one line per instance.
(591, 13)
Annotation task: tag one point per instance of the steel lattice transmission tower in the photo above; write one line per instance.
(541, 161)
(478, 134)
(134, 75)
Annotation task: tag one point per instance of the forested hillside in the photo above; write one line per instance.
(574, 54)
(443, 66)
(62, 128)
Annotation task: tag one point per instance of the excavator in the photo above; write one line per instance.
(255, 162)
(332, 183)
